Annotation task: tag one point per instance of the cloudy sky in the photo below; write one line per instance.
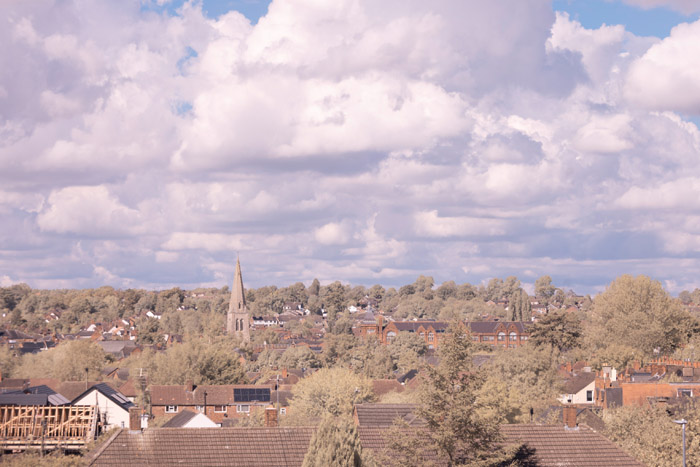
(146, 143)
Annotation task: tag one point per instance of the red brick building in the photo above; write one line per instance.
(218, 402)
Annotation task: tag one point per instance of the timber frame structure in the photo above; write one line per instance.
(46, 428)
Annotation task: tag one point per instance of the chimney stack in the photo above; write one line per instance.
(189, 385)
(270, 417)
(134, 419)
(569, 415)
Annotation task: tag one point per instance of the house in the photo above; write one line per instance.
(112, 405)
(579, 389)
(189, 419)
(218, 402)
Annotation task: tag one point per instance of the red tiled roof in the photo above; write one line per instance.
(237, 447)
(555, 445)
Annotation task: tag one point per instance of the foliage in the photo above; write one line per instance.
(332, 391)
(299, 357)
(201, 360)
(558, 329)
(519, 305)
(544, 288)
(407, 350)
(66, 362)
(649, 434)
(335, 443)
(449, 404)
(638, 313)
(528, 378)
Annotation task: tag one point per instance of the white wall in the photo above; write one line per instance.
(115, 414)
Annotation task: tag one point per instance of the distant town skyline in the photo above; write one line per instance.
(147, 143)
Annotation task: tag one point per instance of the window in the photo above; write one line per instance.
(488, 338)
(171, 409)
(685, 392)
(283, 411)
(199, 408)
(475, 338)
(501, 336)
(371, 331)
(422, 335)
(431, 337)
(589, 396)
(513, 337)
(430, 346)
(523, 338)
(220, 408)
(242, 408)
(390, 336)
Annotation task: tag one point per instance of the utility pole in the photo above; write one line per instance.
(683, 422)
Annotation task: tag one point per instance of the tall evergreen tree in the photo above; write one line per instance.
(335, 443)
(451, 408)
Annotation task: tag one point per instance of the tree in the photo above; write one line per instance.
(638, 313)
(560, 330)
(450, 406)
(66, 362)
(299, 357)
(544, 288)
(530, 375)
(315, 287)
(447, 290)
(330, 391)
(335, 443)
(649, 434)
(519, 305)
(201, 360)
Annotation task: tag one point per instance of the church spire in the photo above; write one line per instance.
(237, 320)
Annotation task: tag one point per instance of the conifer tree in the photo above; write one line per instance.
(335, 443)
(451, 408)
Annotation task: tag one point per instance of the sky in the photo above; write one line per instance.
(149, 143)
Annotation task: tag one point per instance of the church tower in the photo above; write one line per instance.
(237, 320)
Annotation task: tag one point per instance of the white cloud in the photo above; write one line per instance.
(667, 77)
(332, 233)
(430, 224)
(152, 147)
(88, 210)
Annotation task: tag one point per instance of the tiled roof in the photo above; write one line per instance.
(383, 386)
(244, 447)
(555, 445)
(383, 415)
(578, 382)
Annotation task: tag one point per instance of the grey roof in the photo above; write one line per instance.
(108, 391)
(24, 399)
(179, 420)
(52, 397)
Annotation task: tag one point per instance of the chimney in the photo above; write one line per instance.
(284, 373)
(270, 417)
(134, 419)
(569, 415)
(189, 385)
